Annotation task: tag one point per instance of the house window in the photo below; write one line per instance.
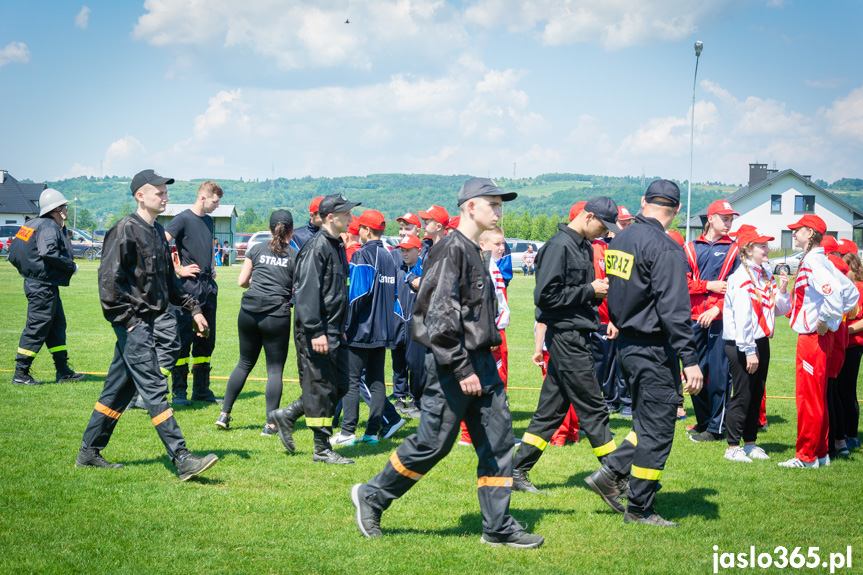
(776, 204)
(804, 204)
(787, 240)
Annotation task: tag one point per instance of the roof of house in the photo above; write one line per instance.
(224, 211)
(19, 198)
(698, 219)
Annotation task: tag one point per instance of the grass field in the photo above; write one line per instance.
(262, 511)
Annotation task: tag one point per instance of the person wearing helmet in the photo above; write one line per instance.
(43, 255)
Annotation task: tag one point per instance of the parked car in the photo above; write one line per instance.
(517, 247)
(258, 238)
(241, 244)
(390, 242)
(7, 232)
(789, 263)
(99, 235)
(84, 245)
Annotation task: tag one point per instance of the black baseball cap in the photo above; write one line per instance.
(149, 177)
(335, 203)
(281, 217)
(605, 210)
(476, 187)
(665, 191)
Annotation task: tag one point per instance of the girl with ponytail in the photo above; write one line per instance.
(750, 310)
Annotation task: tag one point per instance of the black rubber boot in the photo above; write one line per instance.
(607, 484)
(284, 419)
(520, 482)
(201, 384)
(65, 374)
(180, 385)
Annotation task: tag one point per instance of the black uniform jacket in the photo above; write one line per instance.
(136, 276)
(648, 298)
(456, 305)
(41, 251)
(321, 287)
(563, 295)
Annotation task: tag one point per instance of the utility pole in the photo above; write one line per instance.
(513, 170)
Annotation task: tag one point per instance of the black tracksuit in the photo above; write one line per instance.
(566, 302)
(454, 316)
(43, 255)
(136, 282)
(649, 303)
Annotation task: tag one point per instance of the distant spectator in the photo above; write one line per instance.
(527, 261)
(217, 250)
(226, 255)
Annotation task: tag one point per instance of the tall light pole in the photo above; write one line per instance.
(75, 221)
(698, 48)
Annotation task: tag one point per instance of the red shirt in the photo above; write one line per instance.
(857, 338)
(351, 249)
(599, 247)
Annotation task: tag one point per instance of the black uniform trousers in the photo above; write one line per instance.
(489, 423)
(167, 344)
(324, 380)
(46, 321)
(201, 348)
(747, 391)
(848, 380)
(614, 387)
(401, 373)
(368, 360)
(654, 375)
(135, 367)
(570, 379)
(711, 403)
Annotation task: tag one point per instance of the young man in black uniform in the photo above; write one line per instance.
(648, 304)
(320, 311)
(193, 231)
(567, 295)
(454, 316)
(43, 255)
(136, 282)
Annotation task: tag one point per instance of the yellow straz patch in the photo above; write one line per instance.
(24, 233)
(618, 264)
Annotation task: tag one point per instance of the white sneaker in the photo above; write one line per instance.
(465, 443)
(735, 453)
(343, 438)
(824, 461)
(755, 452)
(390, 431)
(794, 462)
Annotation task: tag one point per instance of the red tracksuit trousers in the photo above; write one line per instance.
(811, 390)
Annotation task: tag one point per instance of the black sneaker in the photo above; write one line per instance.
(268, 431)
(706, 436)
(224, 421)
(284, 427)
(69, 375)
(367, 517)
(606, 483)
(520, 482)
(519, 540)
(649, 517)
(330, 456)
(92, 458)
(401, 405)
(190, 465)
(24, 379)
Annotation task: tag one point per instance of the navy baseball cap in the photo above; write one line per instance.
(149, 177)
(605, 210)
(476, 187)
(335, 203)
(665, 191)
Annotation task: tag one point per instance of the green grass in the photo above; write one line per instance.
(262, 511)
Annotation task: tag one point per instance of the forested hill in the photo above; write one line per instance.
(103, 201)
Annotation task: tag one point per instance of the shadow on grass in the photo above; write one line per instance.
(471, 523)
(689, 503)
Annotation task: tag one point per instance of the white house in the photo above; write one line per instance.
(773, 199)
(19, 201)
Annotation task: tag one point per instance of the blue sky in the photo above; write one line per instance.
(227, 89)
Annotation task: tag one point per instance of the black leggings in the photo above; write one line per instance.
(848, 389)
(747, 391)
(257, 330)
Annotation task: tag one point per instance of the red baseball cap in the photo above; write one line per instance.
(721, 207)
(750, 234)
(437, 214)
(410, 218)
(354, 228)
(623, 214)
(576, 209)
(453, 222)
(410, 242)
(372, 219)
(316, 203)
(829, 244)
(809, 221)
(741, 229)
(840, 264)
(677, 237)
(847, 247)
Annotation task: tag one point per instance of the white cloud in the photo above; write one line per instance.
(14, 52)
(845, 116)
(83, 18)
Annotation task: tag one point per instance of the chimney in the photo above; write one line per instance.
(3, 176)
(757, 173)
